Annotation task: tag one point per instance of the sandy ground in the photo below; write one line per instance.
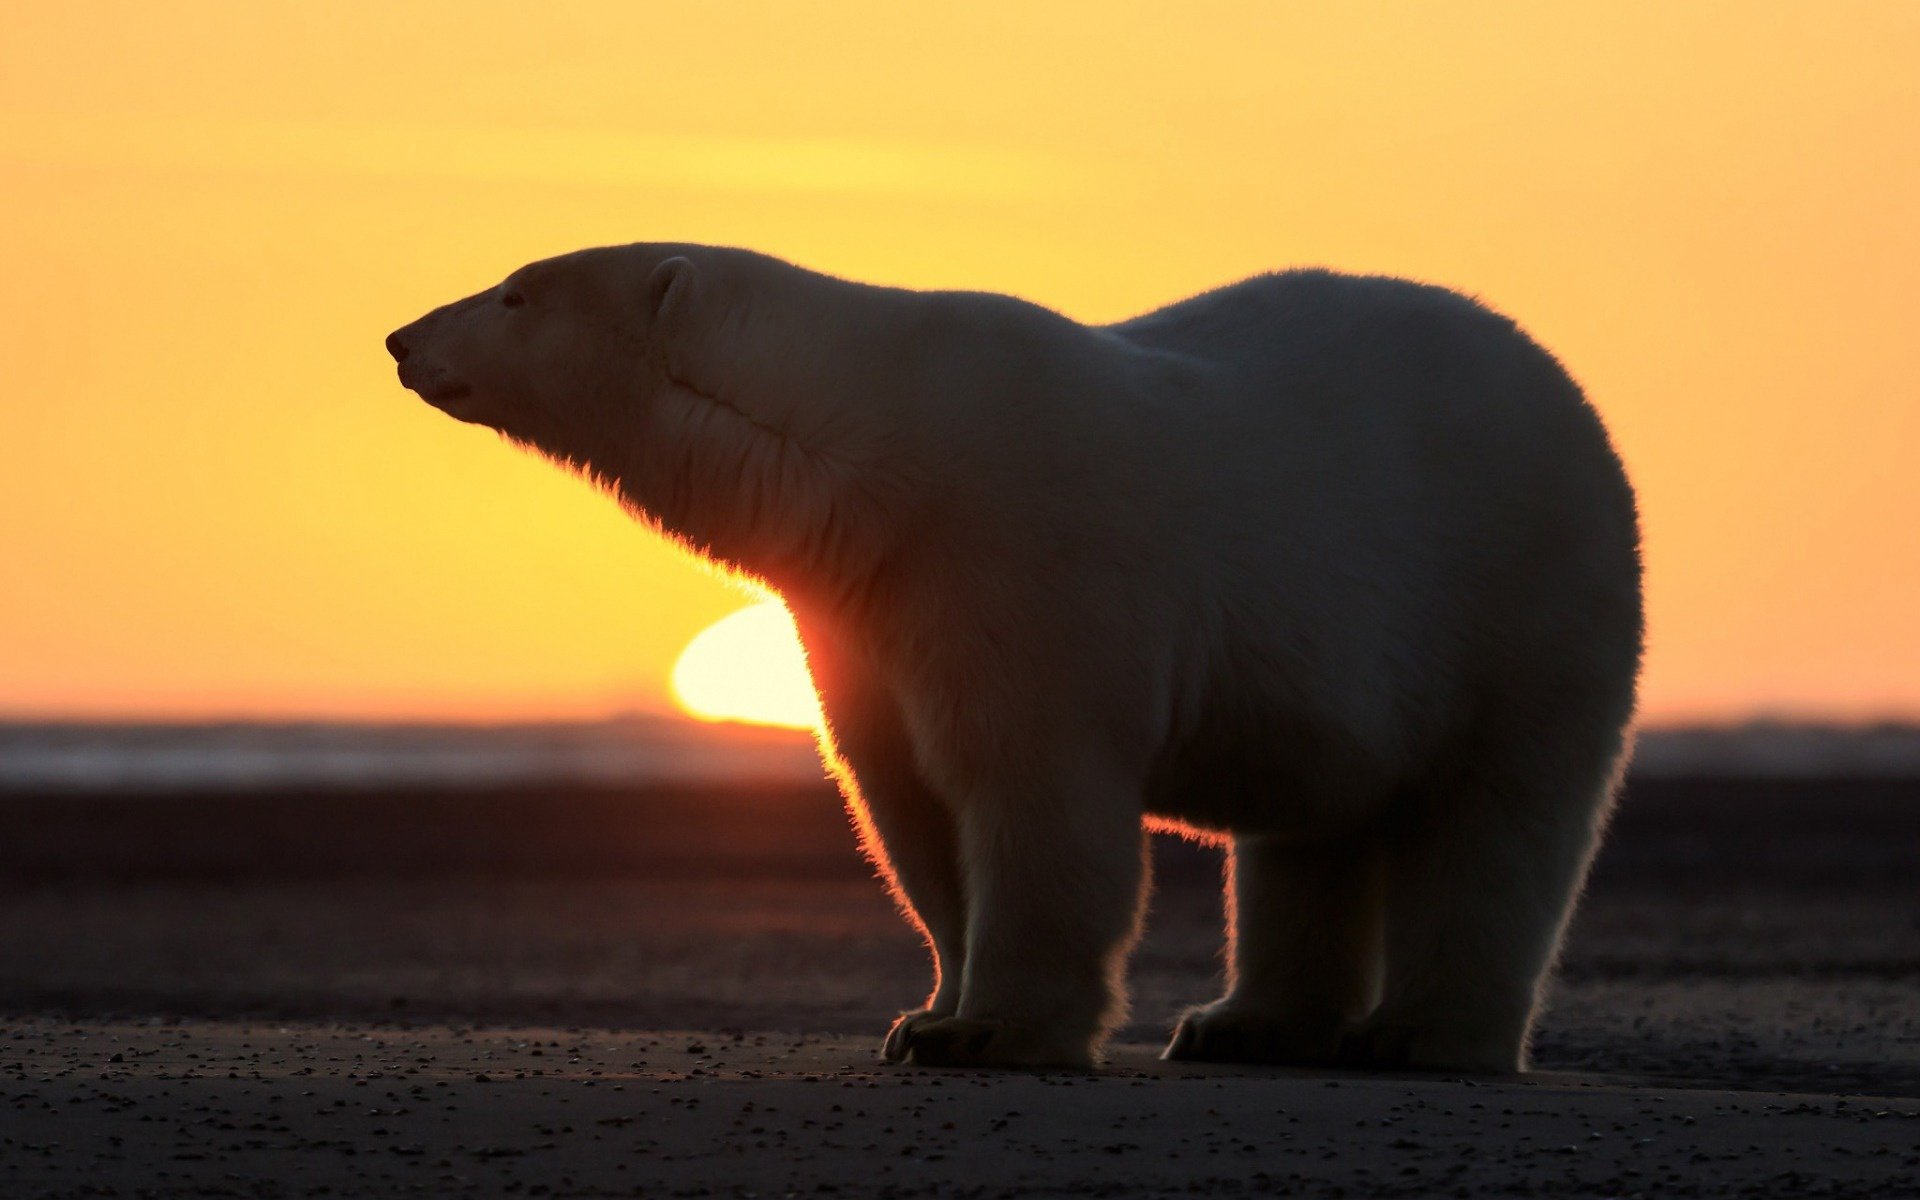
(300, 995)
(246, 1109)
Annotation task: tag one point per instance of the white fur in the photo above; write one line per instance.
(1342, 570)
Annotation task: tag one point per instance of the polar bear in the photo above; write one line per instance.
(1341, 571)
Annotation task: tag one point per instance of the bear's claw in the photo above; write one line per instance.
(947, 1041)
(900, 1037)
(929, 1040)
(1218, 1034)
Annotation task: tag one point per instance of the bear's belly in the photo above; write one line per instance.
(1271, 778)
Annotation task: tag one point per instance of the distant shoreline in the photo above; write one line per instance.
(244, 756)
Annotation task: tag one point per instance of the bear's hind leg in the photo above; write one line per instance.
(1303, 929)
(1478, 896)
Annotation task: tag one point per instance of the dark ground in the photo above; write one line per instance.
(1737, 936)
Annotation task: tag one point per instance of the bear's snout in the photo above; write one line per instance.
(435, 387)
(431, 382)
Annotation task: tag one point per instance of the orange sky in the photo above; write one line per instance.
(214, 499)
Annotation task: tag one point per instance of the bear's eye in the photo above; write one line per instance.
(512, 299)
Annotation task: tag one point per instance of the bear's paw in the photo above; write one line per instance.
(1220, 1032)
(1470, 1048)
(932, 1041)
(900, 1037)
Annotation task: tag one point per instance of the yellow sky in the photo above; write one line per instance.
(215, 499)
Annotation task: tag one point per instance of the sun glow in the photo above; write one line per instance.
(748, 666)
(216, 501)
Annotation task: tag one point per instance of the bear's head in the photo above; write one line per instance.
(555, 355)
(705, 387)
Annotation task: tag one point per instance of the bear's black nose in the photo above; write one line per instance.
(396, 346)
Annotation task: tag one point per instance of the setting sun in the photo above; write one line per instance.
(748, 666)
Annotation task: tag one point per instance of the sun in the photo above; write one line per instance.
(748, 666)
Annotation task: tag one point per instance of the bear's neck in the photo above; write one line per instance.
(801, 517)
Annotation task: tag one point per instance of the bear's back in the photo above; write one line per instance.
(1399, 470)
(1315, 372)
(1309, 319)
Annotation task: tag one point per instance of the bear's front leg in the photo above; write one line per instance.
(909, 834)
(905, 827)
(1055, 880)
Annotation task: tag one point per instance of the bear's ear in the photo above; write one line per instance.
(676, 332)
(669, 293)
(695, 319)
